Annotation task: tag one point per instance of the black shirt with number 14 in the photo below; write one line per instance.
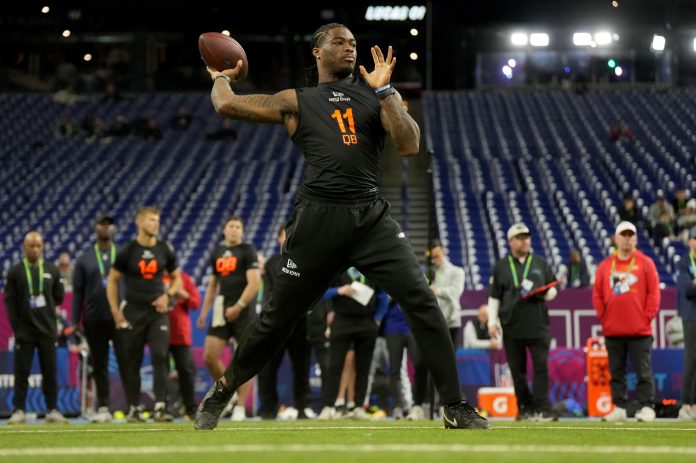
(143, 268)
(230, 265)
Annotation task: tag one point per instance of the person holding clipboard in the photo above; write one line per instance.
(521, 283)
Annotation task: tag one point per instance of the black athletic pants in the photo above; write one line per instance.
(23, 355)
(361, 334)
(299, 352)
(98, 334)
(186, 370)
(151, 328)
(689, 376)
(321, 354)
(324, 238)
(639, 349)
(395, 346)
(516, 353)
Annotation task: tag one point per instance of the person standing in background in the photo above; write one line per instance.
(524, 320)
(686, 306)
(626, 296)
(33, 290)
(448, 286)
(143, 320)
(90, 309)
(235, 272)
(65, 268)
(187, 298)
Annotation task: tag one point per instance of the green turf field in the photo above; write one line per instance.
(346, 441)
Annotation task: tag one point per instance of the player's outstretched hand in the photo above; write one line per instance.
(384, 67)
(232, 74)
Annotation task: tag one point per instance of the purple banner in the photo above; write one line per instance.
(574, 320)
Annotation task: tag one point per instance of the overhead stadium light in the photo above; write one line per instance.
(539, 39)
(658, 42)
(618, 71)
(603, 38)
(519, 38)
(582, 39)
(512, 63)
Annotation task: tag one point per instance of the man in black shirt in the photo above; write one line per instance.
(340, 220)
(143, 263)
(512, 303)
(90, 308)
(33, 289)
(355, 325)
(235, 271)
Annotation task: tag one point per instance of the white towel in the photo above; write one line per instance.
(219, 311)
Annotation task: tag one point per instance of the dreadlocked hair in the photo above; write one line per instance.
(312, 72)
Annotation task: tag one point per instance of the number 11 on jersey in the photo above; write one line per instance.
(348, 138)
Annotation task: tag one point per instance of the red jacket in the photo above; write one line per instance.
(630, 313)
(179, 320)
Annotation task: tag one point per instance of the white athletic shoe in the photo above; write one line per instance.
(55, 417)
(327, 413)
(686, 414)
(646, 414)
(289, 414)
(358, 413)
(617, 414)
(309, 413)
(102, 416)
(18, 417)
(238, 413)
(416, 413)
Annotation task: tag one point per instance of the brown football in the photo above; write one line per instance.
(220, 51)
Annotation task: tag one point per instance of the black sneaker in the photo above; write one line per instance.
(135, 415)
(545, 415)
(211, 407)
(525, 414)
(463, 416)
(161, 415)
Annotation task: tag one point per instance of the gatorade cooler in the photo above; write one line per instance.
(599, 401)
(498, 401)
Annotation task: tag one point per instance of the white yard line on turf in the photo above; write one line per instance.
(303, 448)
(114, 429)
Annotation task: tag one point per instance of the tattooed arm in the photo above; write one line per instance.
(403, 129)
(280, 108)
(395, 120)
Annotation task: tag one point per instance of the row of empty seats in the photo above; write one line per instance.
(544, 157)
(59, 185)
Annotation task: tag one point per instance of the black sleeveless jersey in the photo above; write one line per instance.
(230, 265)
(144, 268)
(340, 132)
